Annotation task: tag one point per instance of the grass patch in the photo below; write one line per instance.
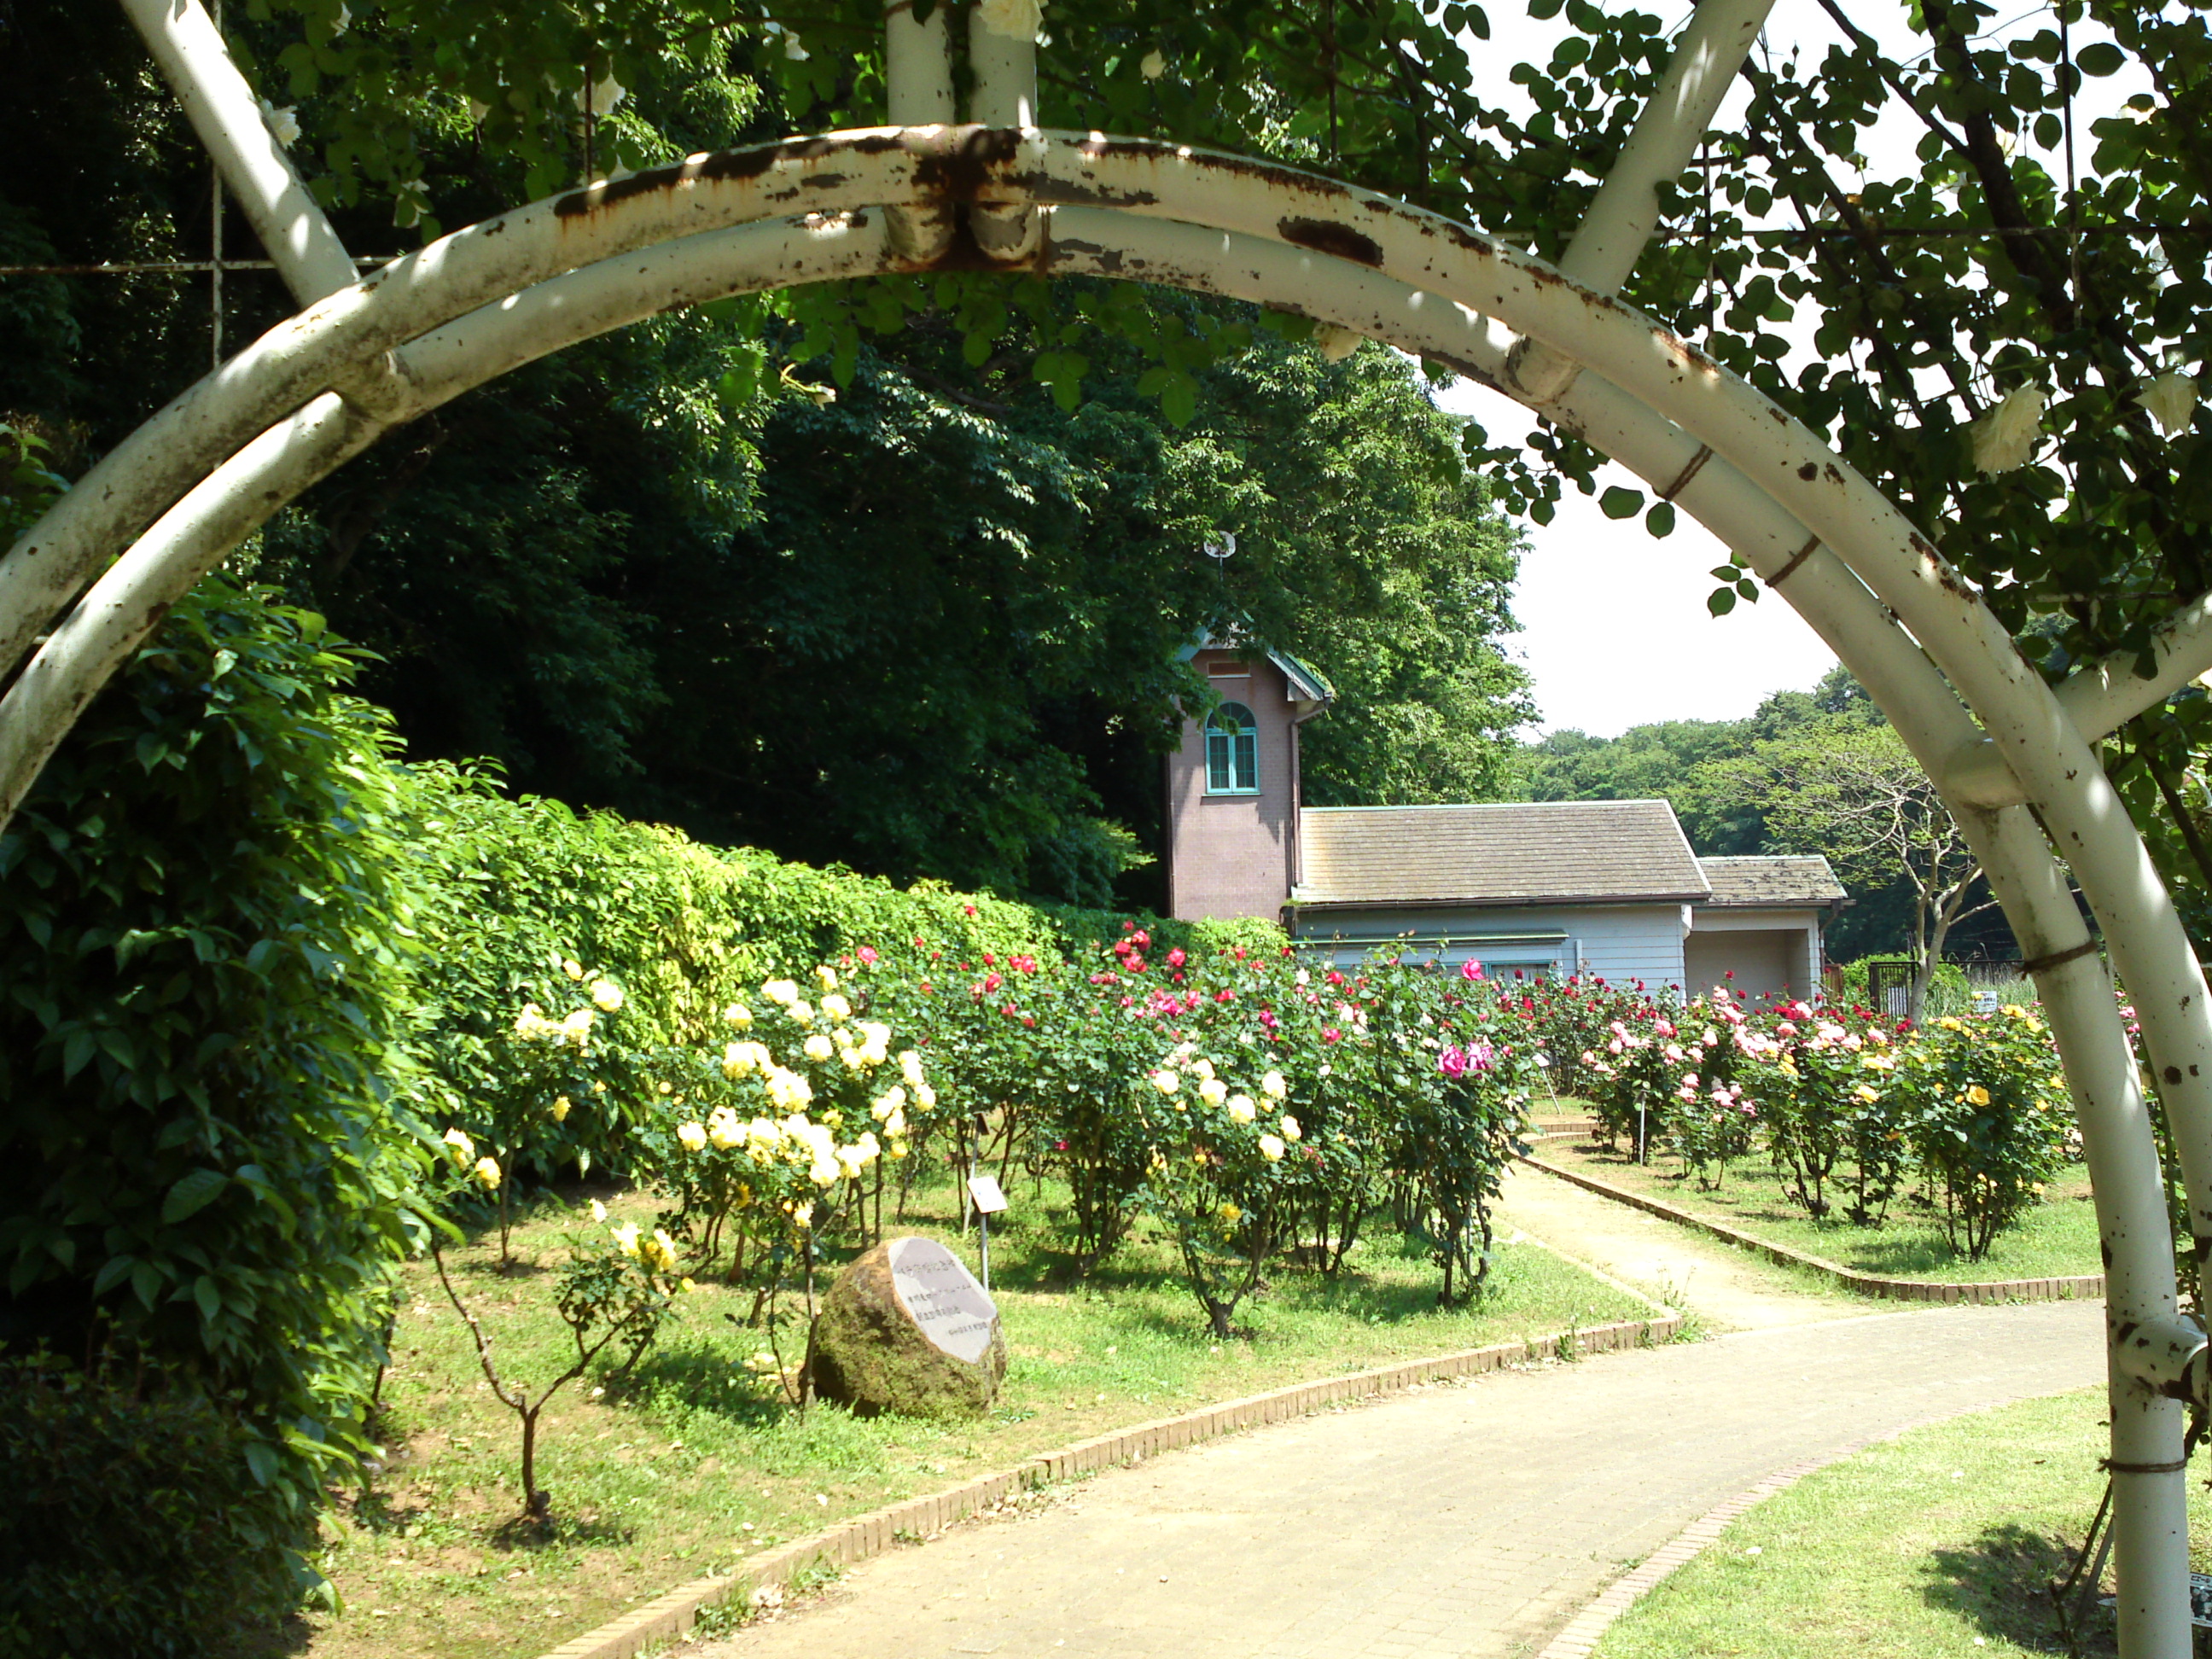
(684, 1467)
(2058, 1238)
(1939, 1542)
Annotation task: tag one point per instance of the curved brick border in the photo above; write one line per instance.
(2066, 1289)
(671, 1615)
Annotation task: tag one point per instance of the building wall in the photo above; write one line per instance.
(1771, 951)
(1236, 855)
(1619, 943)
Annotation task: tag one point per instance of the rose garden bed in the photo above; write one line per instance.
(2056, 1238)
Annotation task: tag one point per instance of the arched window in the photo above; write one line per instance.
(1232, 752)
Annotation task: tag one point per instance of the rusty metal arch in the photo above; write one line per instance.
(91, 580)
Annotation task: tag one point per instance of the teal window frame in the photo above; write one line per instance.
(1232, 752)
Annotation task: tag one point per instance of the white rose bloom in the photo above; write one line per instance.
(1335, 341)
(1154, 65)
(2004, 438)
(2170, 398)
(1291, 1130)
(1271, 1148)
(1017, 20)
(283, 123)
(601, 99)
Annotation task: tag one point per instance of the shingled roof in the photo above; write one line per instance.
(1806, 880)
(1508, 853)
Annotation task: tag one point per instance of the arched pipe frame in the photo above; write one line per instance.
(2015, 758)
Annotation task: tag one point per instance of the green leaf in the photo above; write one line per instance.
(1721, 601)
(1660, 520)
(1619, 502)
(208, 1296)
(193, 1193)
(2101, 57)
(261, 1459)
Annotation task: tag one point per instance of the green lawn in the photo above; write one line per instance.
(685, 1467)
(1939, 1543)
(2059, 1237)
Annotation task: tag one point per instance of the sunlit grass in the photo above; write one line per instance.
(2058, 1238)
(684, 1465)
(1941, 1542)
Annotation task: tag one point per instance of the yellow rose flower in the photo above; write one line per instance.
(738, 1015)
(1166, 1081)
(560, 1105)
(784, 990)
(463, 1148)
(626, 1237)
(574, 968)
(1291, 1130)
(694, 1137)
(818, 1047)
(606, 995)
(1274, 1087)
(1978, 1095)
(1240, 1108)
(598, 1211)
(1272, 1148)
(836, 1007)
(487, 1173)
(828, 975)
(1213, 1091)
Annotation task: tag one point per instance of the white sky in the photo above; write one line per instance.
(1615, 630)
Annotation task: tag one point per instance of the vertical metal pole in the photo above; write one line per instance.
(983, 1232)
(214, 243)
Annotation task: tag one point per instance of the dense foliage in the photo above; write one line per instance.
(134, 1524)
(206, 1161)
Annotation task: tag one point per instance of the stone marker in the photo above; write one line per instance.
(906, 1328)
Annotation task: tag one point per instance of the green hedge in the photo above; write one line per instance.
(205, 1165)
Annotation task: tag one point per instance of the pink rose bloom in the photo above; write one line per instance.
(1452, 1062)
(992, 982)
(868, 954)
(1330, 1034)
(1785, 1030)
(1470, 968)
(1175, 957)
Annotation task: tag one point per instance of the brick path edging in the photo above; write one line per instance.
(2065, 1288)
(857, 1540)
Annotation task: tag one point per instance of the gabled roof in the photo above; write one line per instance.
(1306, 684)
(1807, 880)
(1508, 853)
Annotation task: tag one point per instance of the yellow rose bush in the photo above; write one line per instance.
(1986, 1111)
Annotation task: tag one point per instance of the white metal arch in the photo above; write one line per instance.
(165, 507)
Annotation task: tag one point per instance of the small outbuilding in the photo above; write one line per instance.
(1608, 887)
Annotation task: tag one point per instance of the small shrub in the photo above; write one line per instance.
(1987, 1115)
